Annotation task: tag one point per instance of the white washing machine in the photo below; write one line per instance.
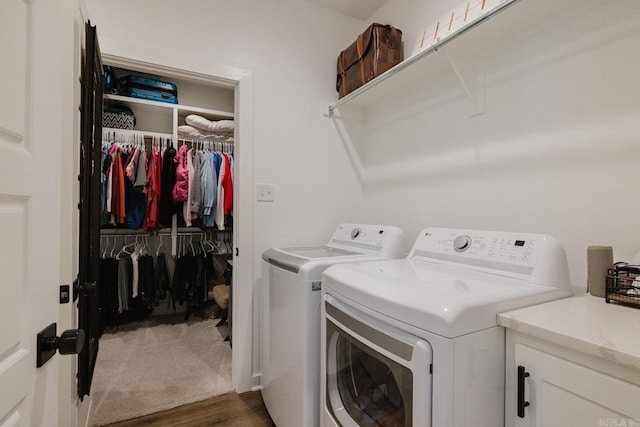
(291, 322)
(415, 342)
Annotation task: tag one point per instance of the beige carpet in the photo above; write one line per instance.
(152, 366)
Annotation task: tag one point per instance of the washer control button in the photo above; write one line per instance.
(462, 243)
(355, 233)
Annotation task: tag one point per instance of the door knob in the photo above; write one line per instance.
(70, 341)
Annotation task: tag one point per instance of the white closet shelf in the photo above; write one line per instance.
(182, 109)
(464, 50)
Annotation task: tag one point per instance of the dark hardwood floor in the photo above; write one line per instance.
(237, 410)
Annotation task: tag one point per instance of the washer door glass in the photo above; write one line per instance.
(375, 390)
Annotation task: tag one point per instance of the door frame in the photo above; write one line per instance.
(244, 279)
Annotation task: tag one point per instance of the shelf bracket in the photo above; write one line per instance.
(471, 77)
(327, 110)
(352, 152)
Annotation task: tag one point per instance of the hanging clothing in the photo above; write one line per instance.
(180, 191)
(191, 278)
(131, 168)
(168, 206)
(118, 210)
(124, 273)
(220, 204)
(228, 186)
(141, 174)
(146, 280)
(192, 181)
(161, 276)
(209, 180)
(186, 208)
(153, 191)
(105, 202)
(195, 202)
(135, 207)
(135, 277)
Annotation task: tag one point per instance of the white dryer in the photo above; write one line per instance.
(291, 321)
(415, 342)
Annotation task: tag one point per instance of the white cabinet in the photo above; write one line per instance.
(556, 387)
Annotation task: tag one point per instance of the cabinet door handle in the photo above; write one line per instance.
(522, 374)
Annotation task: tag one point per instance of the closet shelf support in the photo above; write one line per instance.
(471, 75)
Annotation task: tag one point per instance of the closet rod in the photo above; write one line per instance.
(222, 139)
(118, 232)
(138, 132)
(146, 235)
(163, 232)
(191, 233)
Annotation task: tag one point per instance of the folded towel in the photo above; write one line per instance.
(186, 131)
(219, 126)
(190, 131)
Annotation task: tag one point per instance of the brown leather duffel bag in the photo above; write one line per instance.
(375, 51)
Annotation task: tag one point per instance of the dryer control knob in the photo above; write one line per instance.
(462, 243)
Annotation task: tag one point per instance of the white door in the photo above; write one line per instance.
(31, 120)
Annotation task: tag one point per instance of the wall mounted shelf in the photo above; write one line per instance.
(463, 53)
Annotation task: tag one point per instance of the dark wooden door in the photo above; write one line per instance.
(90, 187)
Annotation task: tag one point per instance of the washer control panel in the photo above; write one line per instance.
(365, 238)
(361, 233)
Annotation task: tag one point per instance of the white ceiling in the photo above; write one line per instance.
(359, 9)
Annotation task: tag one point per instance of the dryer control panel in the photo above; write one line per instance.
(536, 257)
(384, 240)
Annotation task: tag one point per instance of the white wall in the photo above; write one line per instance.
(557, 150)
(290, 47)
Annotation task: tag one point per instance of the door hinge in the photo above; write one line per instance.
(86, 288)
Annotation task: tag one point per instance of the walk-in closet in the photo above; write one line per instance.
(166, 240)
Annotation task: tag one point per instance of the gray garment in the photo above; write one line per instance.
(141, 173)
(196, 194)
(123, 284)
(209, 190)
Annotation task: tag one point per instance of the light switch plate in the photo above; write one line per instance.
(265, 192)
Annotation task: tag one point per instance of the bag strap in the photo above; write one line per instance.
(360, 48)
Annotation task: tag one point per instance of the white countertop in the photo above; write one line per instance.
(583, 323)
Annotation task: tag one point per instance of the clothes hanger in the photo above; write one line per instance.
(160, 246)
(124, 248)
(209, 242)
(111, 255)
(104, 253)
(193, 251)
